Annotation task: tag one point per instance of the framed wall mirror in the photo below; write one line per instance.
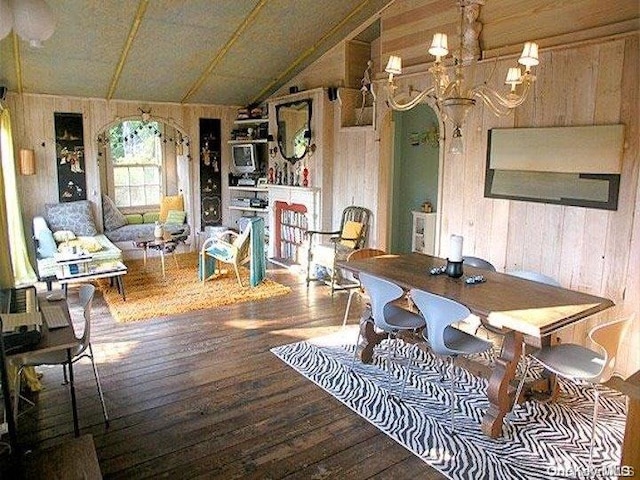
(294, 129)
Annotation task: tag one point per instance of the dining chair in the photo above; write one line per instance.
(444, 339)
(478, 262)
(387, 316)
(59, 357)
(583, 365)
(535, 277)
(356, 286)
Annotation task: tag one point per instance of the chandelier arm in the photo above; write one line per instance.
(411, 103)
(499, 104)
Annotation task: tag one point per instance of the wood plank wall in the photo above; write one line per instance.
(579, 83)
(32, 118)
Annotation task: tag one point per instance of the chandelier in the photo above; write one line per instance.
(453, 97)
(32, 20)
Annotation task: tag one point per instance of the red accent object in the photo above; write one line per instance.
(305, 177)
(270, 174)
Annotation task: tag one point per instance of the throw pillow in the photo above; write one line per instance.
(350, 230)
(46, 244)
(176, 216)
(75, 216)
(64, 236)
(90, 244)
(173, 202)
(150, 217)
(113, 218)
(134, 218)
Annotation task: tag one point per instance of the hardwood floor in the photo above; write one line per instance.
(201, 396)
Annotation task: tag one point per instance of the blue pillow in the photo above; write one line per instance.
(46, 244)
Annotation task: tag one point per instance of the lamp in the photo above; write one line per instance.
(27, 161)
(452, 96)
(32, 20)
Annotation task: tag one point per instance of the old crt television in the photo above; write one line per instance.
(244, 158)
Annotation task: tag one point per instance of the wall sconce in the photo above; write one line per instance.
(27, 161)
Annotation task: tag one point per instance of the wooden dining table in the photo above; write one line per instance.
(517, 306)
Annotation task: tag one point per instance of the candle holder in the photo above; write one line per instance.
(454, 269)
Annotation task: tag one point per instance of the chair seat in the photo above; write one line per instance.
(401, 319)
(55, 357)
(571, 361)
(220, 250)
(462, 342)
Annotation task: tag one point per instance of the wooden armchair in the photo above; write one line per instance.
(352, 235)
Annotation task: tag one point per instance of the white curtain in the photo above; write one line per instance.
(22, 270)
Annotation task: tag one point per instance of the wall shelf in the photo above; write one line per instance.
(250, 121)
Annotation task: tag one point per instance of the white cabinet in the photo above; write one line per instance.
(423, 236)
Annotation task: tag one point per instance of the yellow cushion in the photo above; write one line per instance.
(173, 202)
(64, 236)
(350, 230)
(88, 244)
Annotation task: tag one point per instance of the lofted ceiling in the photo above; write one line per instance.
(223, 52)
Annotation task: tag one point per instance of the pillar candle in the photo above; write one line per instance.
(455, 248)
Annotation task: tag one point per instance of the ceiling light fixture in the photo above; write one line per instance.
(452, 96)
(32, 20)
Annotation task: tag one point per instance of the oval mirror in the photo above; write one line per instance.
(294, 129)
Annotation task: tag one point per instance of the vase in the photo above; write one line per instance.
(158, 231)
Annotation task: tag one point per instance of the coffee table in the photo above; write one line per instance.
(165, 244)
(81, 267)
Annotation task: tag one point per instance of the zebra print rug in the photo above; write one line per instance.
(540, 440)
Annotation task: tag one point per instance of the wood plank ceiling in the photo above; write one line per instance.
(224, 52)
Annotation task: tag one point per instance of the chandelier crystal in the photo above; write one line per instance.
(453, 97)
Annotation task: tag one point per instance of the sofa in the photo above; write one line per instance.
(126, 228)
(70, 224)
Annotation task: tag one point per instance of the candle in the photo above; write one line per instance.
(455, 248)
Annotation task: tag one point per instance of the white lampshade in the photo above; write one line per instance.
(439, 46)
(514, 76)
(394, 65)
(33, 21)
(6, 18)
(529, 57)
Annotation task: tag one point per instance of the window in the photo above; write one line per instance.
(136, 152)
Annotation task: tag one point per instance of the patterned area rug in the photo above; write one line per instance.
(540, 441)
(149, 295)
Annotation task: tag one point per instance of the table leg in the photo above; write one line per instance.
(121, 287)
(144, 256)
(498, 390)
(162, 260)
(72, 390)
(369, 335)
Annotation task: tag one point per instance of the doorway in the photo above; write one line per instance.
(415, 171)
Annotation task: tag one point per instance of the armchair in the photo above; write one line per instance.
(352, 235)
(244, 247)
